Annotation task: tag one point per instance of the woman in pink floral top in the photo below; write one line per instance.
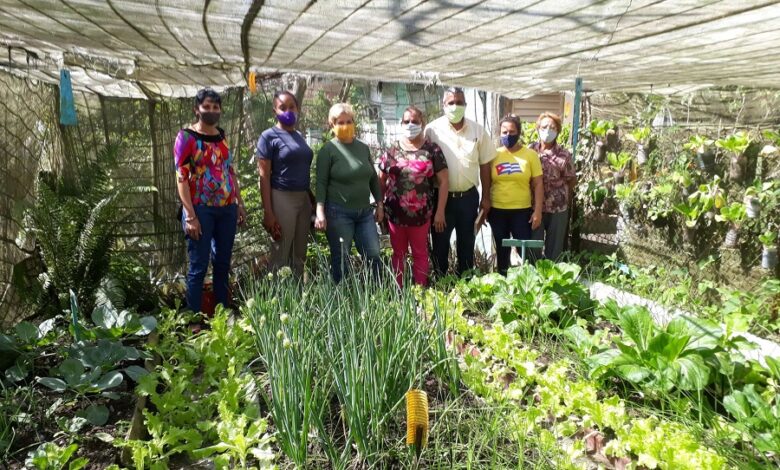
(559, 180)
(210, 198)
(407, 171)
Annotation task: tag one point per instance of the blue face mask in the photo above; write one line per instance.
(509, 141)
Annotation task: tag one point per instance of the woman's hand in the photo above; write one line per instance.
(379, 214)
(320, 223)
(271, 225)
(193, 229)
(241, 214)
(536, 220)
(439, 222)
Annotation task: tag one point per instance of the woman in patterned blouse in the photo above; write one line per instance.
(559, 181)
(407, 171)
(210, 198)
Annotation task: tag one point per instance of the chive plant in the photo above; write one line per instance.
(364, 342)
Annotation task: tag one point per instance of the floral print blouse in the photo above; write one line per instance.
(409, 183)
(206, 162)
(557, 170)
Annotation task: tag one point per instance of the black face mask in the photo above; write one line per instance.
(209, 118)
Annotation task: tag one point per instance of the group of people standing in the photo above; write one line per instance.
(424, 185)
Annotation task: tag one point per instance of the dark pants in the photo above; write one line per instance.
(460, 215)
(345, 225)
(509, 223)
(218, 225)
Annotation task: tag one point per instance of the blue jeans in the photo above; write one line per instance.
(218, 225)
(344, 225)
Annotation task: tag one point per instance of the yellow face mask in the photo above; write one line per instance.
(344, 132)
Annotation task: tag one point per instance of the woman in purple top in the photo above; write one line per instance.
(559, 180)
(284, 163)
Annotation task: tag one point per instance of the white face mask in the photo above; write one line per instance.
(411, 130)
(547, 135)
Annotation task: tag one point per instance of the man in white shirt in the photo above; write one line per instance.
(468, 150)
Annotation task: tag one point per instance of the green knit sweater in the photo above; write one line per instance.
(346, 176)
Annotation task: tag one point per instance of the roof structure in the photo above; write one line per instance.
(514, 47)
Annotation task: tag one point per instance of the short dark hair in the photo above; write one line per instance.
(454, 90)
(207, 93)
(415, 110)
(514, 120)
(279, 94)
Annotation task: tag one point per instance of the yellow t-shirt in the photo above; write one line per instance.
(512, 173)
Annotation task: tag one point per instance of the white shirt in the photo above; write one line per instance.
(465, 150)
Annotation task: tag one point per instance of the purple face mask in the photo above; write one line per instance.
(287, 118)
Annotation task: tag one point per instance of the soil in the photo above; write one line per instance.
(43, 428)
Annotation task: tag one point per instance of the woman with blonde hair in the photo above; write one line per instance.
(346, 180)
(408, 170)
(559, 181)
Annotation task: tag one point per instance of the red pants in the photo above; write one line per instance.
(401, 238)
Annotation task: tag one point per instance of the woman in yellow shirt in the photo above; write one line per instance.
(517, 191)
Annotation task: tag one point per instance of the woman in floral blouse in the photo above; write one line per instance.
(210, 198)
(559, 181)
(407, 171)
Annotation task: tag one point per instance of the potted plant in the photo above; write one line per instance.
(691, 213)
(640, 136)
(733, 214)
(769, 254)
(597, 193)
(658, 202)
(627, 199)
(736, 144)
(598, 130)
(619, 162)
(753, 200)
(705, 156)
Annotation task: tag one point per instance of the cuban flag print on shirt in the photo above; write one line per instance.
(508, 168)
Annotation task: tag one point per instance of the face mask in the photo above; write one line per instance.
(209, 118)
(410, 131)
(455, 112)
(547, 135)
(509, 141)
(287, 118)
(344, 132)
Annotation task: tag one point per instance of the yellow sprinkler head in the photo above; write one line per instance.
(252, 82)
(417, 418)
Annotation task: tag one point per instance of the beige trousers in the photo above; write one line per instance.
(293, 211)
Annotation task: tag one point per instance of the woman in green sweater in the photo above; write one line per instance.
(345, 181)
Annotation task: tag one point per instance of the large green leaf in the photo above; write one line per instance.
(738, 406)
(97, 415)
(105, 316)
(637, 324)
(26, 332)
(634, 373)
(72, 371)
(148, 324)
(110, 380)
(58, 385)
(694, 373)
(773, 366)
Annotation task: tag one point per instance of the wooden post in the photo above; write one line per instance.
(575, 127)
(574, 243)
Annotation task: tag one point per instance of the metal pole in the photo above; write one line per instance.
(575, 126)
